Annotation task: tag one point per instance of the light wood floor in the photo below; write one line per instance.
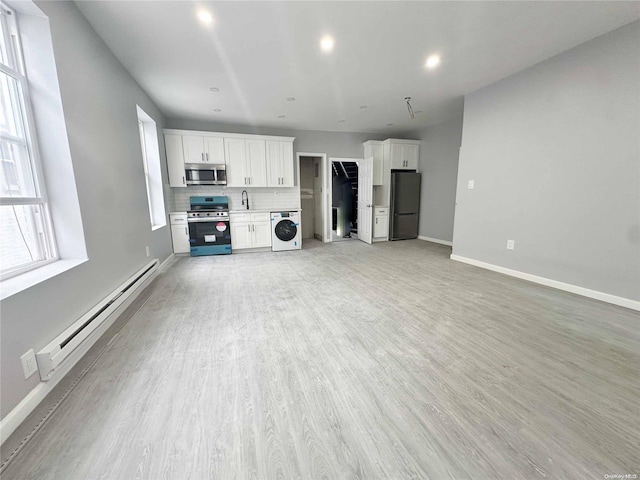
(350, 361)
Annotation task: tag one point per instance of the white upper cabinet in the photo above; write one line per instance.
(246, 162)
(375, 149)
(203, 149)
(251, 160)
(279, 164)
(397, 158)
(236, 162)
(404, 155)
(411, 156)
(214, 150)
(256, 163)
(175, 160)
(193, 147)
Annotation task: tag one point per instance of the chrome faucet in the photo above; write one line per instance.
(245, 194)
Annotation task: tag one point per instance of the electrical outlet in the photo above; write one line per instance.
(471, 184)
(511, 244)
(148, 252)
(29, 364)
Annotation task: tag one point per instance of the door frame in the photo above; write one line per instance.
(326, 236)
(329, 178)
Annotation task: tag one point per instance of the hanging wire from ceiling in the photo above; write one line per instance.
(409, 107)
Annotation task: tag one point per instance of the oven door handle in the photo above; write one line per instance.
(207, 219)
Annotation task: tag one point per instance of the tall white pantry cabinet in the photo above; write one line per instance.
(388, 155)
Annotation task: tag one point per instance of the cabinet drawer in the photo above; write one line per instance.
(178, 218)
(261, 217)
(239, 217)
(380, 211)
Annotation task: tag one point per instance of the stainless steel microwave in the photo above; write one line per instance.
(203, 174)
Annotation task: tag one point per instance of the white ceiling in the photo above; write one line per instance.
(260, 53)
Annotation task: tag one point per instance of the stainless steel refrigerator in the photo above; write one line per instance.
(405, 205)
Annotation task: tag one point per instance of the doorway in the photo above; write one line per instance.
(311, 189)
(344, 200)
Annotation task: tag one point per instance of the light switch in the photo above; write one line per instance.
(471, 184)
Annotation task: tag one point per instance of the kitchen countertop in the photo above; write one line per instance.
(262, 210)
(252, 210)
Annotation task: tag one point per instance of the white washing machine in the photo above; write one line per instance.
(286, 233)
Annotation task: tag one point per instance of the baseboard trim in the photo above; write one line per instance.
(435, 240)
(567, 287)
(167, 262)
(20, 412)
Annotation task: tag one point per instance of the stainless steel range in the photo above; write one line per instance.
(209, 231)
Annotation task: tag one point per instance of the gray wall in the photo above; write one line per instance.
(334, 144)
(99, 99)
(555, 155)
(439, 152)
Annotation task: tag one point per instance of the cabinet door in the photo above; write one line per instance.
(261, 234)
(397, 156)
(175, 160)
(214, 150)
(286, 156)
(180, 237)
(410, 155)
(256, 163)
(274, 164)
(240, 235)
(193, 149)
(381, 226)
(237, 175)
(377, 155)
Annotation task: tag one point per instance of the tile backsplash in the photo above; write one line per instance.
(259, 198)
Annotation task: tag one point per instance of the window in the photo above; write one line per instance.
(27, 239)
(152, 171)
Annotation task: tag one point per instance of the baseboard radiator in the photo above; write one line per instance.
(51, 356)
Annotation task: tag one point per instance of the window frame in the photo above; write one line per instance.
(148, 131)
(13, 48)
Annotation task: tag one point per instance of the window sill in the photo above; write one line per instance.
(157, 227)
(17, 284)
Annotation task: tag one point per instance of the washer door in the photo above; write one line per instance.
(286, 230)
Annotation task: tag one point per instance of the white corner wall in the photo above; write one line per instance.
(439, 154)
(555, 155)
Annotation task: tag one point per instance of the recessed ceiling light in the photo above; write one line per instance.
(326, 43)
(291, 99)
(363, 107)
(205, 17)
(217, 110)
(214, 89)
(432, 61)
(280, 116)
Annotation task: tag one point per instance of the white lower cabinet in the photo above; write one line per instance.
(180, 232)
(380, 223)
(240, 235)
(250, 230)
